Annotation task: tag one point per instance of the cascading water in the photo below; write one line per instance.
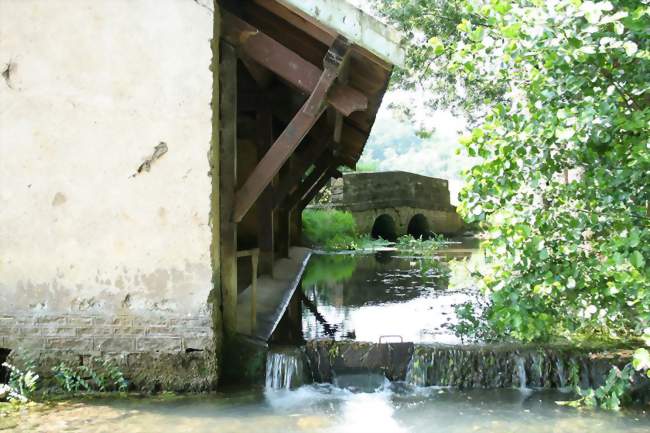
(285, 368)
(503, 367)
(520, 368)
(561, 375)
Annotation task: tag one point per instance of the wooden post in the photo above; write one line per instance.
(227, 185)
(254, 260)
(284, 240)
(265, 229)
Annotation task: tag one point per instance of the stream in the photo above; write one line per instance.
(368, 297)
(393, 408)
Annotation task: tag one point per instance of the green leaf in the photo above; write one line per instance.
(630, 48)
(437, 45)
(637, 260)
(641, 360)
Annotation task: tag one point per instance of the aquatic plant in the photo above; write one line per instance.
(419, 246)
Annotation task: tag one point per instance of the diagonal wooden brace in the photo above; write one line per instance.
(310, 156)
(320, 170)
(315, 189)
(286, 143)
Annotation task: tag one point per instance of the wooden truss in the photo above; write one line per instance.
(321, 85)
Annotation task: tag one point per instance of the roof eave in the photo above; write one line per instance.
(351, 22)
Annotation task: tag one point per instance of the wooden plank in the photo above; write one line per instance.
(288, 65)
(326, 36)
(291, 137)
(316, 30)
(284, 233)
(302, 162)
(254, 262)
(227, 184)
(265, 223)
(315, 189)
(320, 169)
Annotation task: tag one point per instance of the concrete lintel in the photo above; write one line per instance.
(354, 24)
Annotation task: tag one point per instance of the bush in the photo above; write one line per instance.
(330, 229)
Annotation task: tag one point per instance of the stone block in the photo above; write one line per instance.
(191, 322)
(51, 320)
(7, 321)
(114, 344)
(15, 342)
(129, 330)
(199, 343)
(90, 331)
(116, 321)
(80, 344)
(193, 332)
(55, 331)
(161, 330)
(158, 344)
(77, 321)
(27, 331)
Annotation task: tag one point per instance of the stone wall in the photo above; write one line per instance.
(105, 186)
(400, 196)
(362, 191)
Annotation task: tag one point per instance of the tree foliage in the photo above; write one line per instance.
(560, 96)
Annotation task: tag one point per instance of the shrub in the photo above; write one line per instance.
(330, 229)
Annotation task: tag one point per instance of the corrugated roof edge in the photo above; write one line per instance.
(351, 22)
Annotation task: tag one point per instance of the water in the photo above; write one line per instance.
(507, 367)
(396, 408)
(368, 297)
(286, 368)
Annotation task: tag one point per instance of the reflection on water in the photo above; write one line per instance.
(395, 408)
(367, 296)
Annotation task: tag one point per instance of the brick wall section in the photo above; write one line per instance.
(120, 334)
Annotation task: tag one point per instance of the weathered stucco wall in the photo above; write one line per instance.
(95, 256)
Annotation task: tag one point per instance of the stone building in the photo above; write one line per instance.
(149, 149)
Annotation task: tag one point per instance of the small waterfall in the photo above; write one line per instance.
(561, 374)
(416, 372)
(285, 368)
(520, 365)
(503, 367)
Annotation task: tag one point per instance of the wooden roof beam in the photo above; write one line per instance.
(286, 143)
(309, 183)
(307, 198)
(287, 64)
(310, 156)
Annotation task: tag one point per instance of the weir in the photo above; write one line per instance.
(345, 298)
(468, 366)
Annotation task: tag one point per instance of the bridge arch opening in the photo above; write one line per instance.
(384, 228)
(419, 227)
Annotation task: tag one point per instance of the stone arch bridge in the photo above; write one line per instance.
(396, 203)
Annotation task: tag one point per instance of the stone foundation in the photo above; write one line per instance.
(155, 354)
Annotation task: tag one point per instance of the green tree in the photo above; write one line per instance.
(559, 92)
